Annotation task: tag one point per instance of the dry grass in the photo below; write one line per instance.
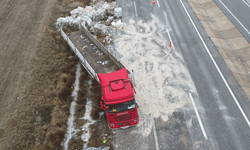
(64, 93)
(56, 136)
(75, 143)
(40, 120)
(96, 94)
(100, 132)
(82, 95)
(46, 113)
(1, 133)
(79, 123)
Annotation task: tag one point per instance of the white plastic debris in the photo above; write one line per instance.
(110, 18)
(118, 24)
(71, 57)
(118, 12)
(101, 29)
(98, 52)
(111, 7)
(86, 15)
(84, 47)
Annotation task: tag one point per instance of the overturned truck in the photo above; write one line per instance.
(118, 100)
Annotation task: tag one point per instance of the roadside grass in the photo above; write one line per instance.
(99, 131)
(82, 95)
(40, 122)
(95, 94)
(46, 114)
(75, 143)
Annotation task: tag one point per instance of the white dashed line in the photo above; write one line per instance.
(198, 117)
(136, 15)
(157, 3)
(155, 135)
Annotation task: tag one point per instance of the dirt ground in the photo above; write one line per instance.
(36, 72)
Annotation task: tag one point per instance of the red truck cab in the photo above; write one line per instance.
(118, 100)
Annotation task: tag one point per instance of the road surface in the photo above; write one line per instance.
(238, 12)
(223, 121)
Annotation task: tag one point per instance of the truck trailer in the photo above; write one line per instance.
(118, 100)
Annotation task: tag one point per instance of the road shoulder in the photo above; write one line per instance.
(231, 44)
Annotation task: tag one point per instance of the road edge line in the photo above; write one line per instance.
(155, 135)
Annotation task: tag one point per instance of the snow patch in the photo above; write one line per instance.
(86, 133)
(71, 131)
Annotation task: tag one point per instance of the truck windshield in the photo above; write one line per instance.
(121, 107)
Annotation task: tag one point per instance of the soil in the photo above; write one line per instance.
(37, 74)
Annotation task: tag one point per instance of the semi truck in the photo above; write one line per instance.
(118, 100)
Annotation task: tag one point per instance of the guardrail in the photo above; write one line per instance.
(83, 61)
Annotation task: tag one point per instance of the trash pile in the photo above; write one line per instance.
(98, 18)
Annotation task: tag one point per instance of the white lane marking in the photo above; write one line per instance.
(155, 136)
(135, 10)
(234, 17)
(246, 3)
(198, 116)
(170, 39)
(136, 15)
(158, 3)
(218, 69)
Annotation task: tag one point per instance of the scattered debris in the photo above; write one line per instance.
(98, 19)
(98, 52)
(84, 47)
(103, 63)
(71, 57)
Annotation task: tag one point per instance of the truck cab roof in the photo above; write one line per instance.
(116, 87)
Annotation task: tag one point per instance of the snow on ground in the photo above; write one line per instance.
(71, 131)
(86, 133)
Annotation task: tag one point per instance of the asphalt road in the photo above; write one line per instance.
(223, 121)
(238, 12)
(224, 124)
